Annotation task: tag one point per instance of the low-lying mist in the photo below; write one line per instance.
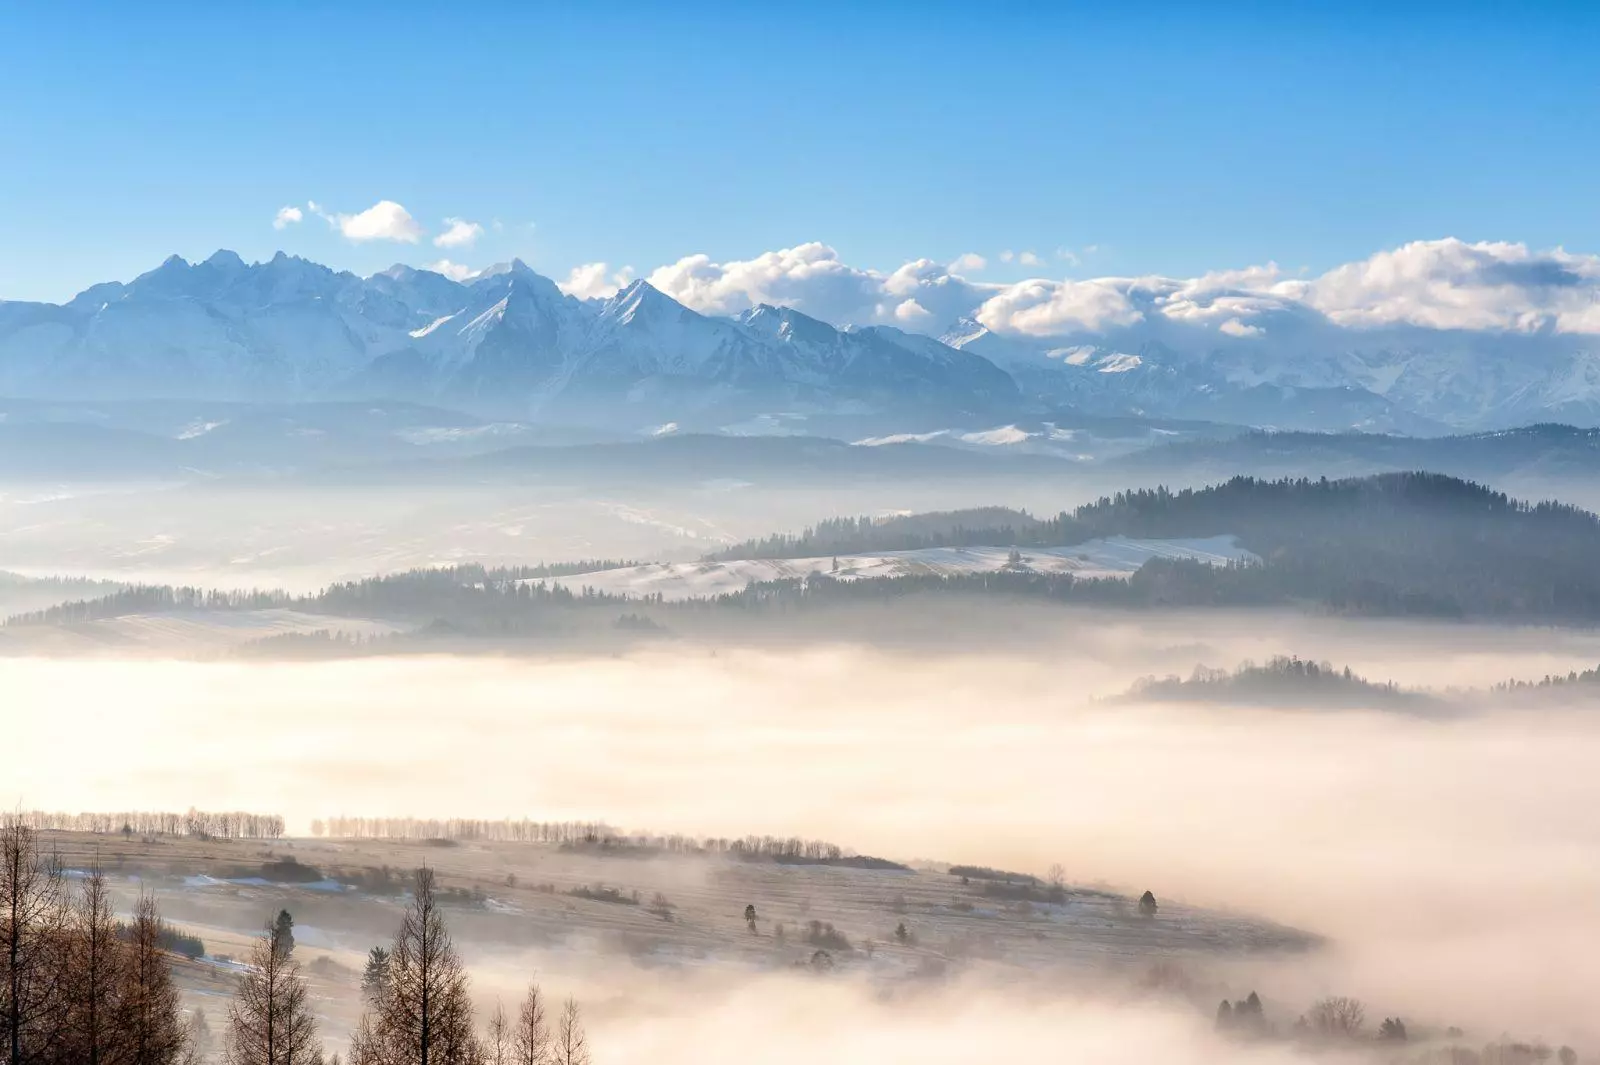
(1454, 865)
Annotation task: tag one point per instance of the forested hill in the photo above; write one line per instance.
(1400, 543)
(1264, 514)
(1395, 544)
(1283, 681)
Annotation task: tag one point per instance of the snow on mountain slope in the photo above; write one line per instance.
(510, 343)
(1117, 557)
(1149, 372)
(506, 343)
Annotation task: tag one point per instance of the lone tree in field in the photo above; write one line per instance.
(422, 1014)
(283, 932)
(376, 976)
(1148, 905)
(750, 916)
(1392, 1029)
(269, 1019)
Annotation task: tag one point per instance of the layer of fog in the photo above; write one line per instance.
(242, 533)
(1455, 865)
(300, 538)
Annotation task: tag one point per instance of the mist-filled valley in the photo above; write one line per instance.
(830, 761)
(823, 760)
(1438, 867)
(641, 534)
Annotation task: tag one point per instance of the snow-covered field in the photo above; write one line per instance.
(204, 629)
(1117, 557)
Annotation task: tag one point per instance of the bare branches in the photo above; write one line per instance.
(530, 1044)
(270, 1020)
(1337, 1016)
(421, 1013)
(205, 824)
(33, 915)
(153, 1022)
(571, 1045)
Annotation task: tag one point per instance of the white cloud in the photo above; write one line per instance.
(1445, 284)
(384, 220)
(808, 277)
(460, 234)
(1007, 256)
(1042, 308)
(911, 312)
(454, 271)
(813, 279)
(287, 216)
(592, 281)
(1450, 284)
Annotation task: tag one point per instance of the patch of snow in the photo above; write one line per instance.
(457, 434)
(902, 438)
(194, 429)
(1119, 362)
(1115, 557)
(431, 326)
(1005, 434)
(1074, 356)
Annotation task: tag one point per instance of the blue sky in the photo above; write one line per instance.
(1171, 138)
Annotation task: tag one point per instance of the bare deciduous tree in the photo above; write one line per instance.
(33, 914)
(97, 966)
(422, 1015)
(530, 1044)
(1337, 1016)
(269, 1019)
(154, 1023)
(497, 1043)
(571, 1046)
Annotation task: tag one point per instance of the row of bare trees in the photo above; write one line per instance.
(77, 987)
(571, 833)
(463, 829)
(219, 824)
(418, 1008)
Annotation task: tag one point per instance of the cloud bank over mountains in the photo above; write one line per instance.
(1445, 284)
(1432, 335)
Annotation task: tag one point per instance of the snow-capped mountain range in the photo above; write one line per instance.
(510, 343)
